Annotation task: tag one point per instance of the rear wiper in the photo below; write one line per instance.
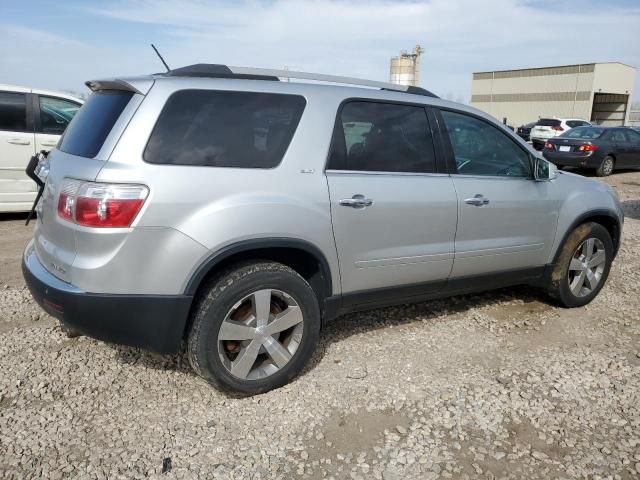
(31, 173)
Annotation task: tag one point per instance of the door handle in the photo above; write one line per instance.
(19, 141)
(357, 201)
(478, 200)
(48, 144)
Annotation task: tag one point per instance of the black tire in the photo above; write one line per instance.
(559, 283)
(606, 167)
(70, 332)
(221, 296)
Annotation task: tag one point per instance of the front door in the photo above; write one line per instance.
(394, 216)
(507, 220)
(17, 191)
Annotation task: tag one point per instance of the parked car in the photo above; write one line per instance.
(547, 128)
(524, 131)
(30, 120)
(221, 207)
(600, 148)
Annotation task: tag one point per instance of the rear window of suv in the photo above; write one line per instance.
(224, 129)
(548, 122)
(89, 128)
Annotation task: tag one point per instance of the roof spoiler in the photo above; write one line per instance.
(139, 85)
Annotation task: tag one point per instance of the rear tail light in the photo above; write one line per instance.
(548, 146)
(67, 199)
(589, 147)
(558, 128)
(100, 204)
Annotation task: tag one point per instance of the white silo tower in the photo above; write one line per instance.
(405, 68)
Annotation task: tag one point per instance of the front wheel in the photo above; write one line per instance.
(583, 265)
(256, 328)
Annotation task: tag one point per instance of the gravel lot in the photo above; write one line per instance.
(498, 385)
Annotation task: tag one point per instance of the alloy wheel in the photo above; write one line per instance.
(586, 267)
(607, 168)
(260, 334)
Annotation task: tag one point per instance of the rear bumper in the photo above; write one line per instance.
(152, 322)
(572, 159)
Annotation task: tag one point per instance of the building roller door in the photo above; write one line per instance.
(609, 109)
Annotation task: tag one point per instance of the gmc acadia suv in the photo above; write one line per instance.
(222, 208)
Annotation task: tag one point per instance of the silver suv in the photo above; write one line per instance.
(220, 207)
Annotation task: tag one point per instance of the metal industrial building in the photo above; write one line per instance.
(598, 92)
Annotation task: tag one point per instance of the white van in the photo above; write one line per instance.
(30, 120)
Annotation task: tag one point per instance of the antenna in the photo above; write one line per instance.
(160, 56)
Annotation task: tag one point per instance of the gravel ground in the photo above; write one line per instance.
(497, 385)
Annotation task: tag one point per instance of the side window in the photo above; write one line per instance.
(224, 129)
(13, 112)
(382, 137)
(480, 148)
(55, 114)
(573, 123)
(634, 137)
(619, 136)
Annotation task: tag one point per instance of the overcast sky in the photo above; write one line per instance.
(59, 45)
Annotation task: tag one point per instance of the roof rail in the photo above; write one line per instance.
(224, 71)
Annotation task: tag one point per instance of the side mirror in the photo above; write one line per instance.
(543, 170)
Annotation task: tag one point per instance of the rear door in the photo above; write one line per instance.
(506, 220)
(51, 117)
(623, 147)
(634, 139)
(17, 191)
(394, 215)
(82, 152)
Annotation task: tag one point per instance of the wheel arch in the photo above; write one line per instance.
(300, 255)
(607, 218)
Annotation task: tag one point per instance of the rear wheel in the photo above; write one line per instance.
(606, 167)
(583, 265)
(70, 332)
(255, 329)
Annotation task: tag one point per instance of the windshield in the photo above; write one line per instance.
(583, 132)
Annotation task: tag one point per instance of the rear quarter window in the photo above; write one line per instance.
(224, 129)
(89, 128)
